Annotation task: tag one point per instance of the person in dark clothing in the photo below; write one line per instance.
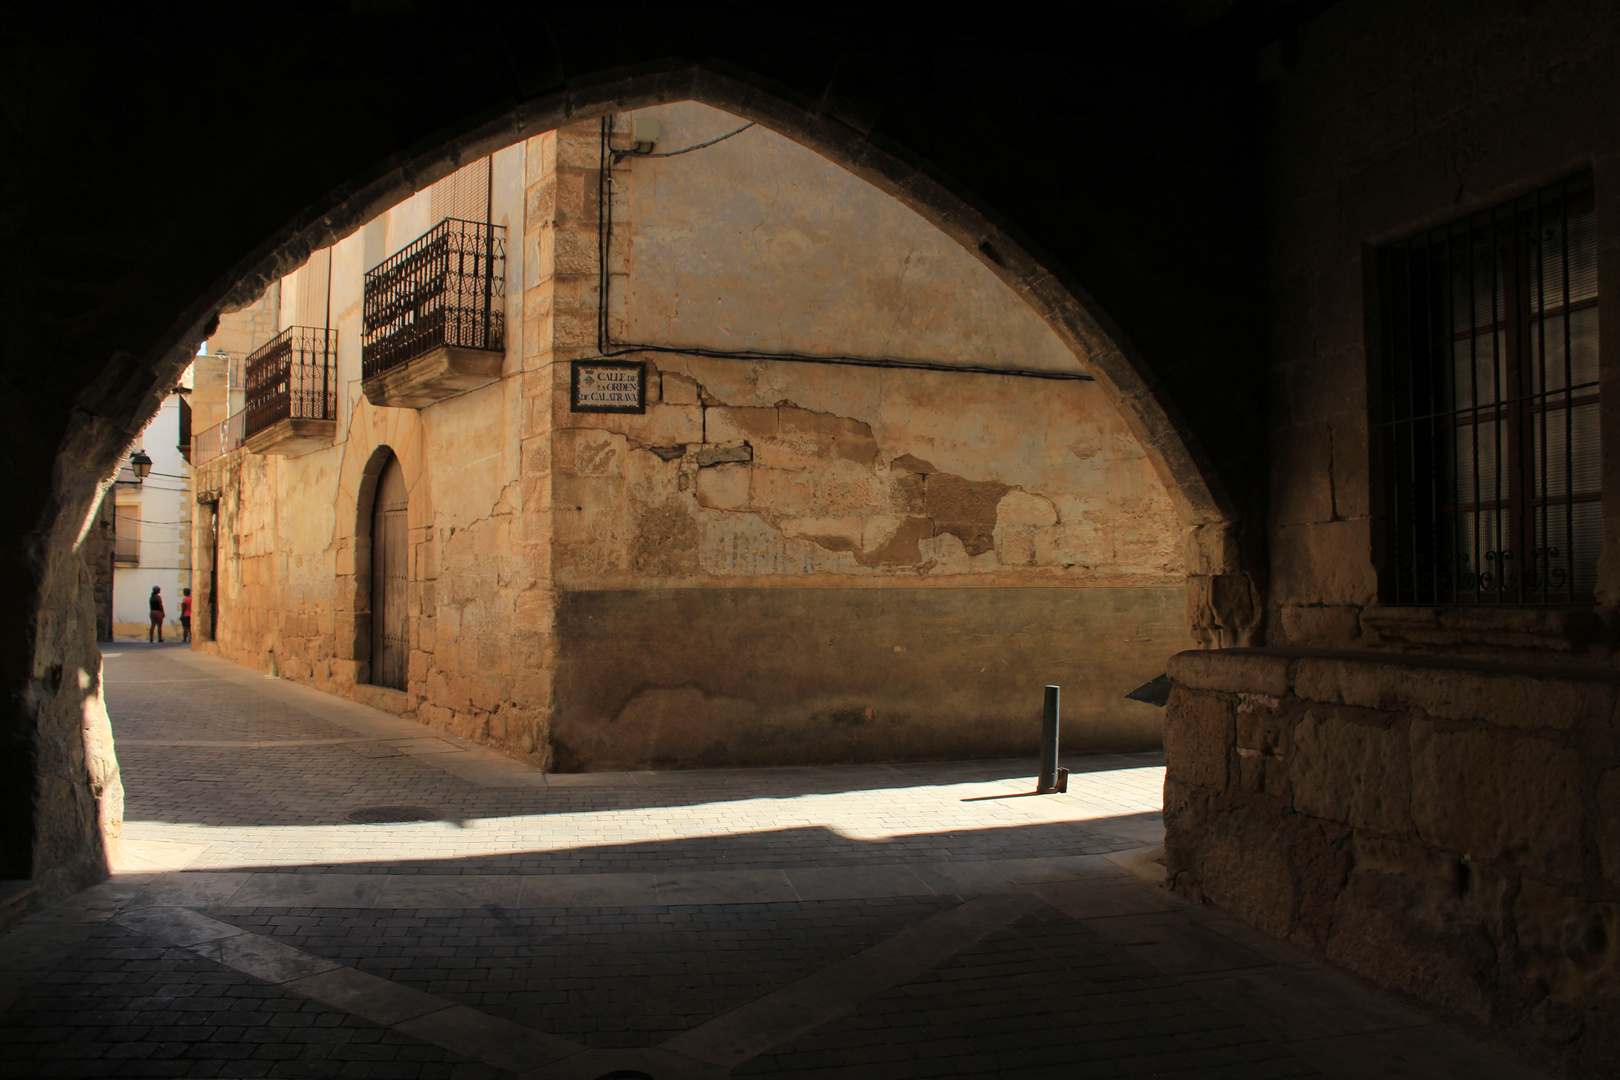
(185, 616)
(157, 615)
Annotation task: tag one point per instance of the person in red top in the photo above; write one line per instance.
(185, 616)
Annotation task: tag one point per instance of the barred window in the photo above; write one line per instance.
(1489, 397)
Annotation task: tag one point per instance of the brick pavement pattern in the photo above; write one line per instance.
(1046, 999)
(863, 921)
(125, 1005)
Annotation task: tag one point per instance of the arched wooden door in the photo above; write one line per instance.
(390, 553)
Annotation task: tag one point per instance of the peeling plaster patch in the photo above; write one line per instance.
(821, 479)
(737, 545)
(965, 508)
(721, 455)
(899, 546)
(665, 542)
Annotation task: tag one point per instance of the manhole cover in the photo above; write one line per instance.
(392, 815)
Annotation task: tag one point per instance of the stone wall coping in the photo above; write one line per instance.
(1561, 629)
(1277, 671)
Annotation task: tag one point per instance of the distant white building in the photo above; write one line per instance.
(153, 523)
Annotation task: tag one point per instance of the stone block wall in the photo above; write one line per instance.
(1447, 828)
(1431, 804)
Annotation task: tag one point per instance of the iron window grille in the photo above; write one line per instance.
(292, 376)
(447, 288)
(1489, 397)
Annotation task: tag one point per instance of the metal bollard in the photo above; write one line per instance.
(1052, 778)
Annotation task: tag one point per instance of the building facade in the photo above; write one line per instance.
(864, 505)
(152, 524)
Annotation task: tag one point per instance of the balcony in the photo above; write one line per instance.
(222, 438)
(291, 398)
(435, 323)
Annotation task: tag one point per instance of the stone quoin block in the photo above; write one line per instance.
(1458, 691)
(1352, 772)
(1531, 816)
(1321, 624)
(1324, 563)
(1608, 825)
(1244, 865)
(1232, 671)
(1568, 947)
(1422, 922)
(1198, 737)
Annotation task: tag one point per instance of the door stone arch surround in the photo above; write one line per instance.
(1225, 580)
(376, 437)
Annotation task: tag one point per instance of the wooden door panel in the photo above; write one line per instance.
(390, 572)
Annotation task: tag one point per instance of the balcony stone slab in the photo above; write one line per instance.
(292, 437)
(434, 376)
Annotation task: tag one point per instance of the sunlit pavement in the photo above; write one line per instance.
(850, 921)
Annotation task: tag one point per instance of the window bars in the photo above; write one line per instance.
(447, 288)
(292, 376)
(1490, 406)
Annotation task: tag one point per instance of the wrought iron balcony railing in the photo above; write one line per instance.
(447, 288)
(222, 438)
(292, 376)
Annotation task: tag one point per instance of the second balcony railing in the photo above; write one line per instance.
(222, 438)
(292, 376)
(446, 288)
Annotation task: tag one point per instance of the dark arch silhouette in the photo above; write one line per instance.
(1104, 179)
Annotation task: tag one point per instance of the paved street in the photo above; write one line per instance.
(839, 922)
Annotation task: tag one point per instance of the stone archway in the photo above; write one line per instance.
(1223, 598)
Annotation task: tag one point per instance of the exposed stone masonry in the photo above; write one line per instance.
(1446, 828)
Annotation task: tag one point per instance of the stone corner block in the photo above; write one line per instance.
(1532, 820)
(1231, 671)
(1199, 733)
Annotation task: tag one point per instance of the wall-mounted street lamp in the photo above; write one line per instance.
(141, 464)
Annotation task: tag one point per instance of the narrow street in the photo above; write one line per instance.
(840, 922)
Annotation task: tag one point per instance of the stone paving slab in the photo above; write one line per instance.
(930, 919)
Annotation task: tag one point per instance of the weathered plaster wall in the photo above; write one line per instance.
(757, 242)
(749, 676)
(763, 507)
(804, 475)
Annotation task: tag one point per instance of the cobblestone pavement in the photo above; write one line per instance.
(848, 921)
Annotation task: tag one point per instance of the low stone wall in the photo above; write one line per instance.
(1445, 828)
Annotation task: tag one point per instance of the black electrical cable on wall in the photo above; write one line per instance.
(606, 347)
